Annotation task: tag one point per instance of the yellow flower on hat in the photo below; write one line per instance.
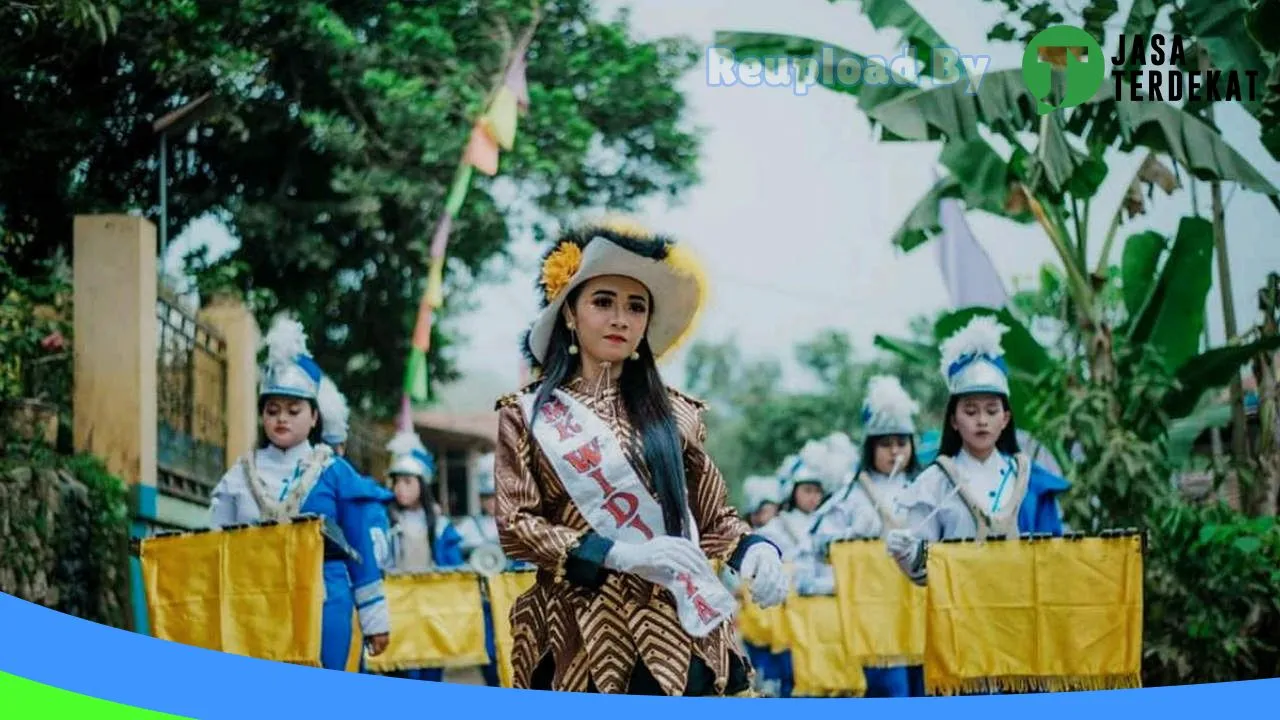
(559, 268)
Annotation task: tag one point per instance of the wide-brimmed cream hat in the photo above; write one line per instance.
(618, 246)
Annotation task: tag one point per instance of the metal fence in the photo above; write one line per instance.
(191, 401)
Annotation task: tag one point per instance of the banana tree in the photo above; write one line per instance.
(1055, 164)
(1163, 287)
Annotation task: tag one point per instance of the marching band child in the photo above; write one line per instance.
(293, 472)
(422, 539)
(869, 505)
(980, 484)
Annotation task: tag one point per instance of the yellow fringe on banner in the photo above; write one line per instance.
(256, 591)
(882, 613)
(504, 589)
(437, 621)
(1052, 615)
(817, 649)
(1015, 685)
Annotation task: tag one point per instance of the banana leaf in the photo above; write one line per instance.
(1184, 431)
(1003, 102)
(1221, 26)
(923, 221)
(913, 352)
(1166, 129)
(1212, 370)
(1138, 265)
(745, 45)
(1172, 316)
(917, 33)
(979, 177)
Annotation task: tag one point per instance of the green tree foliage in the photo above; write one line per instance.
(753, 424)
(331, 136)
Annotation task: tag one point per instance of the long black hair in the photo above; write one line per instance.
(315, 437)
(644, 395)
(951, 442)
(868, 462)
(428, 507)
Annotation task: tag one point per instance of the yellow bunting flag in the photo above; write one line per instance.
(1036, 615)
(882, 613)
(437, 621)
(435, 282)
(256, 591)
(500, 120)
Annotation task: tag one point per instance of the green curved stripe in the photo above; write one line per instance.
(21, 698)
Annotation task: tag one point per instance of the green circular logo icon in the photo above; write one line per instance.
(1084, 75)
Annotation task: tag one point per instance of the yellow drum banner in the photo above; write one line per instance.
(761, 627)
(882, 613)
(255, 591)
(503, 591)
(1034, 615)
(437, 621)
(817, 649)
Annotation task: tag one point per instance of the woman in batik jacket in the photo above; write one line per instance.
(610, 492)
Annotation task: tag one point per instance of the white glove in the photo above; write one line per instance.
(658, 560)
(906, 548)
(902, 545)
(762, 566)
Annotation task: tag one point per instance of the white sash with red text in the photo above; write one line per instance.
(609, 493)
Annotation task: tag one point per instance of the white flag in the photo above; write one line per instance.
(966, 268)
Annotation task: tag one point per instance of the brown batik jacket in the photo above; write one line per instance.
(595, 623)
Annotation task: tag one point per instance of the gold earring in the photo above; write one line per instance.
(573, 344)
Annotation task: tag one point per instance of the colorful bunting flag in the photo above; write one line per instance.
(435, 282)
(516, 82)
(492, 131)
(461, 183)
(422, 328)
(500, 121)
(482, 151)
(441, 238)
(405, 419)
(416, 376)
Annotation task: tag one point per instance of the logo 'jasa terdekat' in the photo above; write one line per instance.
(1145, 67)
(1155, 75)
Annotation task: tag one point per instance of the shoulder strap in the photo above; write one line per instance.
(957, 479)
(315, 466)
(250, 468)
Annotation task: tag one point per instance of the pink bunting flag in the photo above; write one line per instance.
(516, 81)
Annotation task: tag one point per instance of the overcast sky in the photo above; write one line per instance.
(798, 201)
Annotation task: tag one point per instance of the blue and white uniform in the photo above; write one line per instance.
(965, 497)
(276, 483)
(870, 505)
(760, 490)
(823, 463)
(419, 543)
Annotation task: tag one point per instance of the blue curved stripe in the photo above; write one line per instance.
(65, 652)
